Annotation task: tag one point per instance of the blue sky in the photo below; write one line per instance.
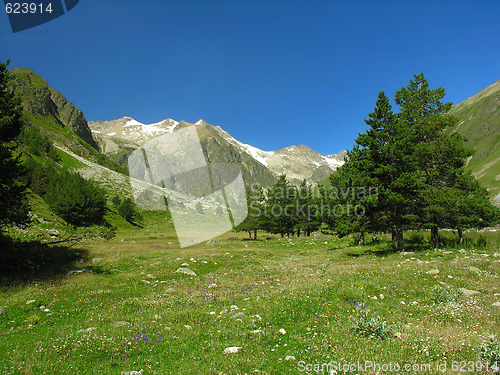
(271, 73)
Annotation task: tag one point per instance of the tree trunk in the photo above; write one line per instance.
(460, 235)
(255, 234)
(298, 232)
(361, 238)
(393, 233)
(398, 235)
(435, 236)
(250, 234)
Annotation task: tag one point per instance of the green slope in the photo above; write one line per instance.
(480, 123)
(48, 111)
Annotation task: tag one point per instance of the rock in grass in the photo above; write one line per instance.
(282, 331)
(2, 310)
(290, 358)
(238, 315)
(132, 372)
(87, 330)
(232, 349)
(186, 271)
(53, 232)
(475, 270)
(96, 260)
(468, 293)
(495, 306)
(434, 271)
(121, 323)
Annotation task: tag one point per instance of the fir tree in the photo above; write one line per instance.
(12, 190)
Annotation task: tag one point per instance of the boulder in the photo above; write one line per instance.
(186, 271)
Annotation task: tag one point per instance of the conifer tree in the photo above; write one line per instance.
(12, 190)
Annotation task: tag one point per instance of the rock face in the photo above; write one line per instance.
(38, 97)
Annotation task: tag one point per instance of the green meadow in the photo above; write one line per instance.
(270, 306)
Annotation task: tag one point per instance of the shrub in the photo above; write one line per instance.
(445, 293)
(76, 200)
(369, 323)
(481, 241)
(489, 352)
(128, 210)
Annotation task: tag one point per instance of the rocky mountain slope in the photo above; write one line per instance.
(480, 123)
(118, 137)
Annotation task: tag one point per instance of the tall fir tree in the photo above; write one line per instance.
(12, 191)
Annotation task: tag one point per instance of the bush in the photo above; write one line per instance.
(445, 293)
(489, 352)
(369, 323)
(128, 210)
(481, 241)
(76, 200)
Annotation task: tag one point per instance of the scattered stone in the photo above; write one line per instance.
(53, 232)
(132, 372)
(2, 310)
(475, 270)
(150, 276)
(133, 242)
(46, 310)
(87, 330)
(169, 290)
(188, 327)
(238, 315)
(258, 317)
(382, 296)
(185, 264)
(282, 331)
(121, 323)
(434, 271)
(96, 260)
(290, 358)
(256, 331)
(232, 238)
(468, 293)
(212, 313)
(212, 242)
(213, 285)
(496, 255)
(232, 349)
(186, 271)
(495, 306)
(30, 302)
(42, 307)
(234, 307)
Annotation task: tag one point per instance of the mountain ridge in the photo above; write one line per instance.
(296, 162)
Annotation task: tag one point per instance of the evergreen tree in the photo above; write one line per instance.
(127, 210)
(306, 208)
(76, 200)
(12, 191)
(280, 211)
(358, 182)
(255, 218)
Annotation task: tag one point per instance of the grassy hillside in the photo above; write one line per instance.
(480, 123)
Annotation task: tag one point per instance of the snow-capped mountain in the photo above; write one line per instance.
(296, 162)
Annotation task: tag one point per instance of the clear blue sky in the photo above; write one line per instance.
(271, 73)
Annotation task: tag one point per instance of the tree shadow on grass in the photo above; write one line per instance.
(23, 263)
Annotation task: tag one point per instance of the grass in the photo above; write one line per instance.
(180, 324)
